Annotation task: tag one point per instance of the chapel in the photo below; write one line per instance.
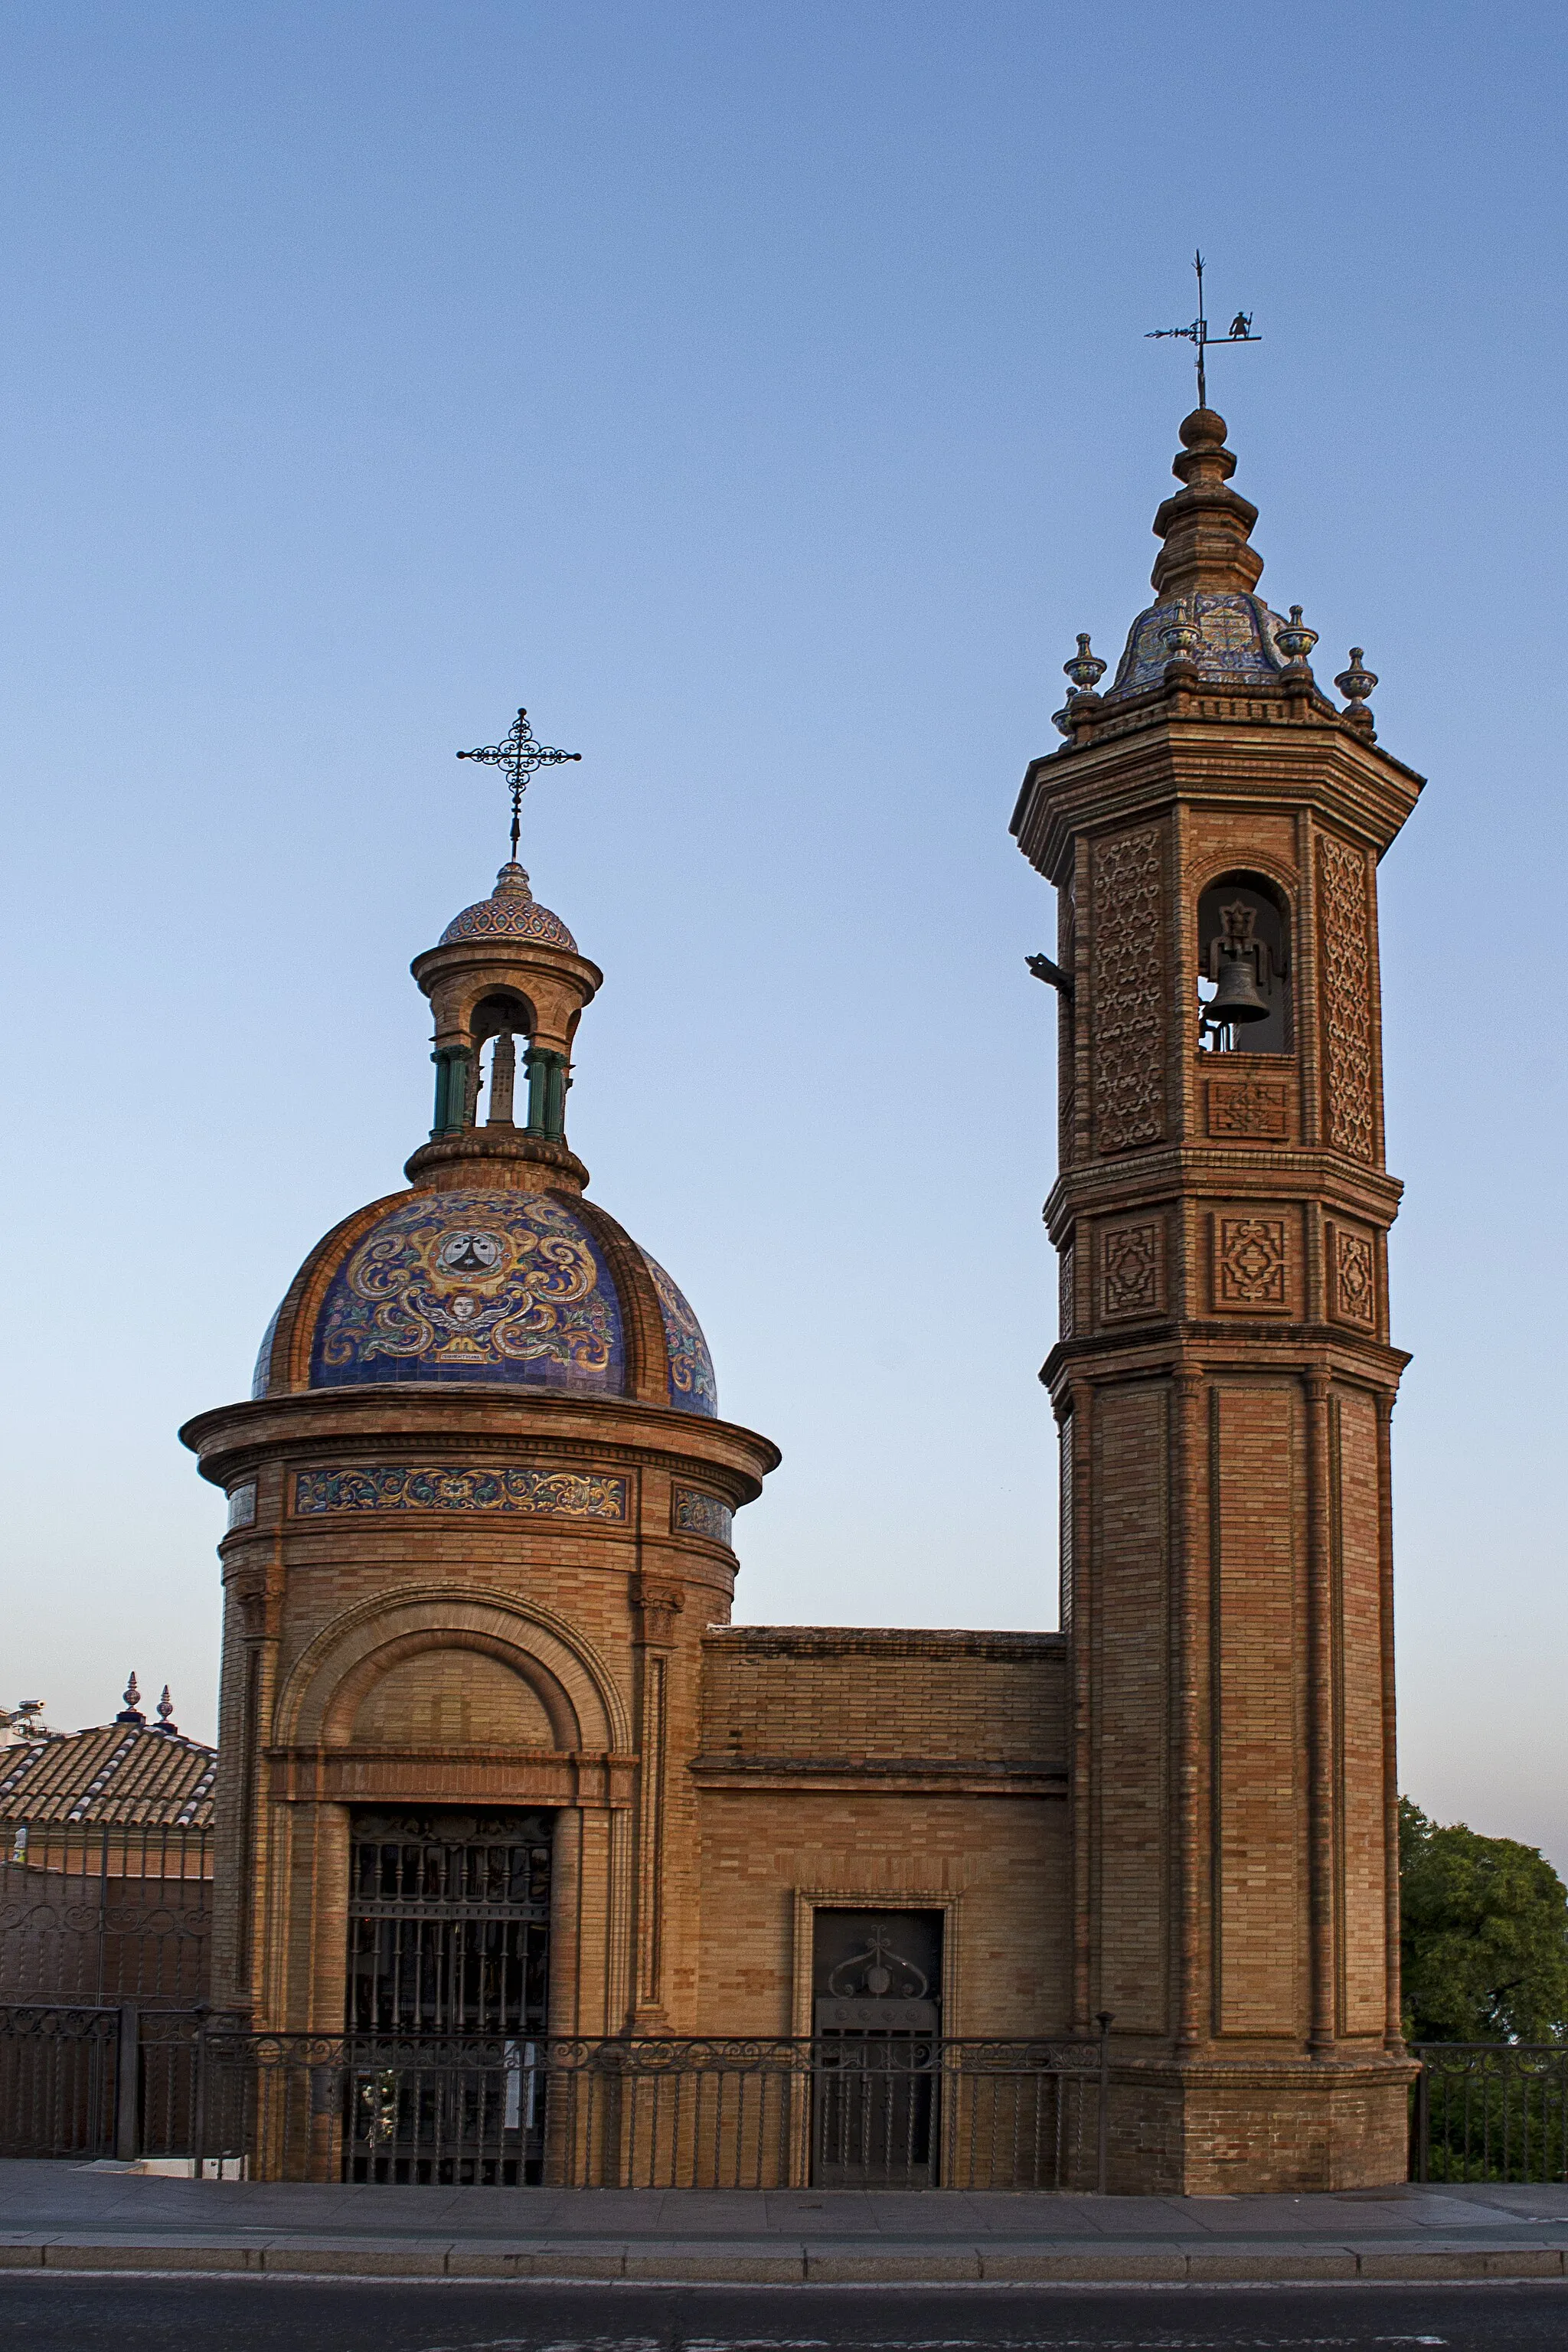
(479, 1667)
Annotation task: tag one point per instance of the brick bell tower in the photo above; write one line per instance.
(1224, 1376)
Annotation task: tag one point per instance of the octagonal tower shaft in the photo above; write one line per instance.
(1224, 1377)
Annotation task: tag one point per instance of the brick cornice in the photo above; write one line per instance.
(1220, 759)
(233, 1439)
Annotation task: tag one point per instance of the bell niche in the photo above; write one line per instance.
(1244, 967)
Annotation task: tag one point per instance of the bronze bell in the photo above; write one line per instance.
(1236, 998)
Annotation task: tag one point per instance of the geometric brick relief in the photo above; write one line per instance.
(1250, 1263)
(1064, 1294)
(1250, 1107)
(1127, 992)
(1353, 1277)
(533, 1494)
(1131, 1271)
(1345, 922)
(693, 1513)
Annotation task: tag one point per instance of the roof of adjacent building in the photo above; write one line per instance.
(120, 1774)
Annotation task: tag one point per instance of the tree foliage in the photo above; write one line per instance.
(1483, 1936)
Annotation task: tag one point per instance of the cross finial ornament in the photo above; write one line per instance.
(518, 758)
(1240, 332)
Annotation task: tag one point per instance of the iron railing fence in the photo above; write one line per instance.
(1490, 2111)
(98, 1913)
(898, 2110)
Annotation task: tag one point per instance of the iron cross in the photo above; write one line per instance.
(1198, 332)
(518, 758)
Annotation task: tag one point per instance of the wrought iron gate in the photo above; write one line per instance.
(448, 1936)
(876, 2109)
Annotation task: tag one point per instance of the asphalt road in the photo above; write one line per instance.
(187, 2315)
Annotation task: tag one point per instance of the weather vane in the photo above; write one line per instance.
(1198, 332)
(518, 758)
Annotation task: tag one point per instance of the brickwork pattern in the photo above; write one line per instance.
(807, 1693)
(1127, 952)
(1000, 1861)
(1344, 928)
(1258, 1442)
(1359, 1716)
(1129, 1731)
(451, 1698)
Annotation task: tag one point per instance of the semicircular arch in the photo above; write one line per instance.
(316, 1704)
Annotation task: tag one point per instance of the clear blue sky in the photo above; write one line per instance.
(759, 392)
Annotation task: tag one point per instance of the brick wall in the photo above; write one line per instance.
(883, 1769)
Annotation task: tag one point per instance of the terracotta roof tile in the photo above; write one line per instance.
(122, 1773)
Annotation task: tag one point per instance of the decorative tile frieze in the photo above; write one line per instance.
(1353, 1277)
(242, 1505)
(1251, 1264)
(532, 1494)
(693, 1513)
(1131, 1271)
(1255, 1110)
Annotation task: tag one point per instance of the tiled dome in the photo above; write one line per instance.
(1235, 643)
(485, 1286)
(510, 912)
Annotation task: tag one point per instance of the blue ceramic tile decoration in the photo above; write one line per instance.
(242, 1505)
(691, 1383)
(1236, 642)
(474, 1285)
(693, 1513)
(536, 1494)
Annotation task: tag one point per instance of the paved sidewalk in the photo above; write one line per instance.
(60, 2216)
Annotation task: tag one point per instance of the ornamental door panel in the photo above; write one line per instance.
(449, 1926)
(877, 2055)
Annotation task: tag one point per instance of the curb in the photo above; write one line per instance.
(687, 2265)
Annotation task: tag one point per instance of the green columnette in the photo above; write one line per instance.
(1483, 1936)
(546, 1094)
(451, 1090)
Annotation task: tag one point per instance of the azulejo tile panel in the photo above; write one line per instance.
(691, 1383)
(693, 1513)
(473, 1286)
(535, 1494)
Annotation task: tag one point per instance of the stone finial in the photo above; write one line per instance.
(1356, 683)
(1183, 636)
(1084, 672)
(132, 1710)
(167, 1712)
(1295, 640)
(1086, 669)
(1206, 525)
